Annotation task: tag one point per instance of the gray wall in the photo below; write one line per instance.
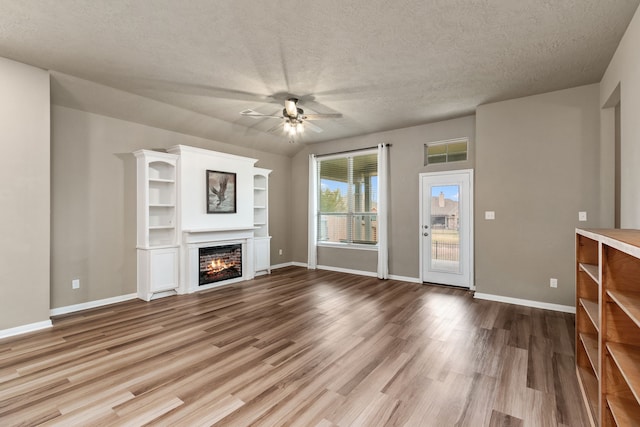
(93, 201)
(24, 195)
(406, 161)
(537, 166)
(623, 76)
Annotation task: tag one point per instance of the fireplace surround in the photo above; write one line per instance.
(241, 239)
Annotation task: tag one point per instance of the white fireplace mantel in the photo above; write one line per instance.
(195, 239)
(214, 234)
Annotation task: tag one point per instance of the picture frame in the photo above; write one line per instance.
(221, 192)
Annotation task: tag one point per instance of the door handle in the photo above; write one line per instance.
(425, 234)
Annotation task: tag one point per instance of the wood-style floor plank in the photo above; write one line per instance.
(297, 348)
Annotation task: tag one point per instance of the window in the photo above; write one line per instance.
(347, 199)
(453, 150)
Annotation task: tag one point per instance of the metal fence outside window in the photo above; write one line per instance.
(445, 251)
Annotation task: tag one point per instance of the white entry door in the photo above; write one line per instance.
(446, 228)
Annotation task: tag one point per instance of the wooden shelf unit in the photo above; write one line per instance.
(608, 324)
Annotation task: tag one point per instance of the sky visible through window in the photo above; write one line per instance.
(450, 191)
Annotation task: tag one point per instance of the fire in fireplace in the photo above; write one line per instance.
(219, 263)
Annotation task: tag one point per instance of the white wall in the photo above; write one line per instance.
(194, 163)
(24, 195)
(624, 71)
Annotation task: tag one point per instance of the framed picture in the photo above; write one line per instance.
(221, 192)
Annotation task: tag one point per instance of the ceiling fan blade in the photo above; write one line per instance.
(276, 127)
(322, 116)
(255, 114)
(313, 127)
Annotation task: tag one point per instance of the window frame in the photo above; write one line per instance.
(446, 143)
(350, 211)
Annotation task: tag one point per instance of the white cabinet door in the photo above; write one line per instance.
(164, 269)
(157, 272)
(262, 246)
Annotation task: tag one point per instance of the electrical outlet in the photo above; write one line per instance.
(280, 252)
(75, 284)
(582, 216)
(489, 215)
(553, 282)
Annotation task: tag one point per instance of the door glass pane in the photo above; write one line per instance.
(445, 228)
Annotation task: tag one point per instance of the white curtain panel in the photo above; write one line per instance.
(312, 251)
(383, 211)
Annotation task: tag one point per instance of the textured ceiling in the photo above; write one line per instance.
(382, 64)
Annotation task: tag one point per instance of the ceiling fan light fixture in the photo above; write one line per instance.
(291, 108)
(300, 128)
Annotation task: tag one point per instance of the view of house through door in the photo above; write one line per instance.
(446, 228)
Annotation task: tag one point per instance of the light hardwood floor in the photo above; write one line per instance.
(301, 348)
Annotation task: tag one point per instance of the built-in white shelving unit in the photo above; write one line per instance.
(262, 239)
(156, 213)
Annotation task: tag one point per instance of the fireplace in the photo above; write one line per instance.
(218, 263)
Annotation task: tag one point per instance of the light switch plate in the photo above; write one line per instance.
(489, 215)
(582, 216)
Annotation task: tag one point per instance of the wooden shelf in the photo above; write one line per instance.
(608, 325)
(625, 412)
(591, 270)
(592, 310)
(589, 385)
(161, 205)
(169, 181)
(627, 359)
(629, 302)
(590, 343)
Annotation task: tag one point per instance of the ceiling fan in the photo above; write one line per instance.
(294, 118)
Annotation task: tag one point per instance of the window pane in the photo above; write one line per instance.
(439, 158)
(347, 199)
(365, 229)
(445, 228)
(332, 228)
(456, 157)
(446, 151)
(365, 183)
(333, 196)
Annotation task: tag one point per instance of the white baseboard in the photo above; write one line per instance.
(405, 278)
(283, 265)
(358, 272)
(31, 327)
(526, 302)
(348, 270)
(91, 304)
